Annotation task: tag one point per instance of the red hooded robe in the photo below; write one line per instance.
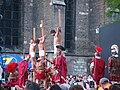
(99, 69)
(61, 66)
(10, 68)
(23, 75)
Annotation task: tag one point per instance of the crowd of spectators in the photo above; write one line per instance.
(75, 83)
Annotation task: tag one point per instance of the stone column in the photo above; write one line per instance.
(81, 38)
(26, 23)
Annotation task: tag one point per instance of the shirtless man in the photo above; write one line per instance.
(57, 38)
(40, 42)
(32, 48)
(32, 51)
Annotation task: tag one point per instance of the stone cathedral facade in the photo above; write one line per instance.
(80, 19)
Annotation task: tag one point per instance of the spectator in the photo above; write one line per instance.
(65, 86)
(84, 83)
(1, 71)
(72, 81)
(104, 83)
(92, 83)
(115, 87)
(32, 86)
(55, 87)
(76, 87)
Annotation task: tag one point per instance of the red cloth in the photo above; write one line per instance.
(114, 68)
(23, 75)
(41, 75)
(60, 63)
(99, 69)
(40, 65)
(11, 83)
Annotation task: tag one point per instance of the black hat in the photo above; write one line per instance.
(39, 59)
(60, 47)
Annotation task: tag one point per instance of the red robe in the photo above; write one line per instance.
(11, 83)
(14, 81)
(114, 68)
(61, 66)
(23, 75)
(40, 70)
(99, 69)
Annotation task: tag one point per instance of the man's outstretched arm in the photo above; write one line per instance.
(58, 31)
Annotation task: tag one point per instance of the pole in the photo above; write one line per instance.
(42, 29)
(59, 24)
(59, 18)
(34, 37)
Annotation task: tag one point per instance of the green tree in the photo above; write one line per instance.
(112, 6)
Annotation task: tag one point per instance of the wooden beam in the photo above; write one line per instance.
(59, 18)
(42, 30)
(34, 37)
(34, 33)
(42, 27)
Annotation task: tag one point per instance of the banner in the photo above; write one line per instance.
(6, 59)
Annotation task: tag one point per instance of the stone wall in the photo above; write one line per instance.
(81, 37)
(89, 17)
(26, 23)
(96, 20)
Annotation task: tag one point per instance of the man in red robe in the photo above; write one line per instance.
(98, 66)
(114, 64)
(23, 74)
(40, 69)
(60, 65)
(13, 75)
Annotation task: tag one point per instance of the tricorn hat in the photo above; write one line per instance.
(60, 47)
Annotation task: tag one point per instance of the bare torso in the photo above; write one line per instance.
(41, 43)
(41, 46)
(32, 47)
(58, 39)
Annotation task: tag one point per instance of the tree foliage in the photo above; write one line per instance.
(112, 6)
